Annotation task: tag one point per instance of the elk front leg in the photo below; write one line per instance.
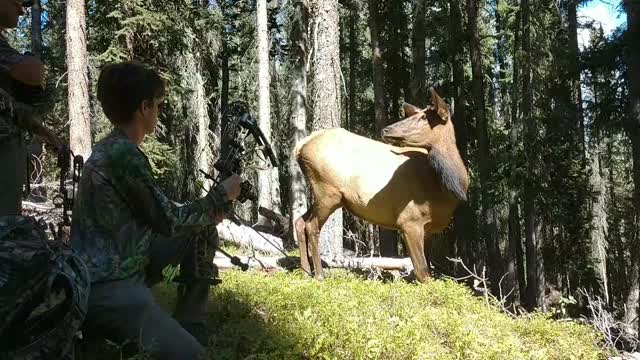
(414, 240)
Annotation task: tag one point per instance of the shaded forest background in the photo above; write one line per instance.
(550, 132)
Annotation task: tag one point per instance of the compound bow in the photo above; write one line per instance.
(239, 125)
(241, 128)
(65, 199)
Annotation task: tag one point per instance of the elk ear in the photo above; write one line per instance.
(410, 110)
(439, 105)
(409, 150)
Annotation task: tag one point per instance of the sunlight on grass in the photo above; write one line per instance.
(285, 316)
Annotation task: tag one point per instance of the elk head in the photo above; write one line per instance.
(421, 128)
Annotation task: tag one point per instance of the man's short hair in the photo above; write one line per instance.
(122, 87)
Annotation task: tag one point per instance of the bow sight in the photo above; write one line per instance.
(238, 125)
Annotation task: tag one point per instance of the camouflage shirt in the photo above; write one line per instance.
(120, 209)
(8, 57)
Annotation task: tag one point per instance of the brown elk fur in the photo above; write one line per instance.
(412, 186)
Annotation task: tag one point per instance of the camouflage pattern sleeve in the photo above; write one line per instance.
(8, 56)
(25, 115)
(133, 178)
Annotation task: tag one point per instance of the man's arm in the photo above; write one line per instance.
(133, 179)
(30, 123)
(29, 71)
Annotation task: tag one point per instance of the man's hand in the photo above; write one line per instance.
(231, 186)
(29, 71)
(50, 138)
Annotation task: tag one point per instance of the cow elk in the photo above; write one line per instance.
(412, 182)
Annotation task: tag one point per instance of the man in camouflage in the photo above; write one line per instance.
(21, 78)
(127, 231)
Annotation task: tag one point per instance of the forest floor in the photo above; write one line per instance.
(277, 314)
(282, 315)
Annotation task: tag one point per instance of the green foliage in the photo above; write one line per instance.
(285, 316)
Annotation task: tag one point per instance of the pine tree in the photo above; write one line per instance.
(78, 75)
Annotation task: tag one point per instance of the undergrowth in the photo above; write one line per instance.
(289, 316)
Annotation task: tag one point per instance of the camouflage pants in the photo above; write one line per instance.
(13, 157)
(125, 310)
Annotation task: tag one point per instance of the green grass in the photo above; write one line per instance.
(289, 316)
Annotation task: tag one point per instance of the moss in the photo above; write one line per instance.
(289, 316)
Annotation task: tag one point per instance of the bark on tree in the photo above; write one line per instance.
(224, 91)
(516, 266)
(298, 121)
(377, 63)
(599, 223)
(419, 76)
(353, 62)
(35, 148)
(36, 28)
(574, 72)
(535, 266)
(489, 229)
(632, 59)
(327, 84)
(268, 189)
(502, 49)
(598, 209)
(464, 221)
(78, 79)
(199, 155)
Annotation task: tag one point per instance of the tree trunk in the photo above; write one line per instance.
(199, 155)
(326, 80)
(489, 228)
(632, 59)
(388, 238)
(224, 88)
(516, 266)
(464, 221)
(353, 62)
(599, 223)
(377, 63)
(535, 267)
(78, 75)
(298, 121)
(35, 148)
(36, 28)
(268, 192)
(419, 78)
(574, 71)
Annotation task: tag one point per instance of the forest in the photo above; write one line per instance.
(547, 124)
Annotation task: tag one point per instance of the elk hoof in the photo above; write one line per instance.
(319, 277)
(423, 276)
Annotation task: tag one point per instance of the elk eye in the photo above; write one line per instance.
(423, 117)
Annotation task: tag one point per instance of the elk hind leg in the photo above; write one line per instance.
(313, 226)
(300, 225)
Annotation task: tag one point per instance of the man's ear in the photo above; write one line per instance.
(145, 106)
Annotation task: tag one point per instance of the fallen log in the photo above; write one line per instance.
(266, 262)
(246, 237)
(383, 263)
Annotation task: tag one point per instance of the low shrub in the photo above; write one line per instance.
(290, 316)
